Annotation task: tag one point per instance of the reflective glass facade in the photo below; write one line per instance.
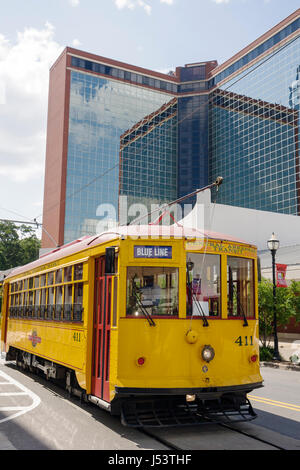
(154, 137)
(254, 134)
(257, 51)
(192, 143)
(148, 158)
(100, 111)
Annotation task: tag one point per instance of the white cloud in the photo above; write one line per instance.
(76, 43)
(124, 4)
(74, 3)
(221, 1)
(24, 74)
(131, 4)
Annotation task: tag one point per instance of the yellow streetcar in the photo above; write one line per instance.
(154, 323)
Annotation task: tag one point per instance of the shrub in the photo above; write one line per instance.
(266, 353)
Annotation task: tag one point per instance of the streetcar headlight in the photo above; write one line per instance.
(190, 397)
(208, 353)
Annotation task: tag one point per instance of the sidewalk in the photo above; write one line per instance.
(289, 345)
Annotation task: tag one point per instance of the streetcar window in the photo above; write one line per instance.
(30, 299)
(43, 302)
(58, 276)
(25, 304)
(58, 297)
(78, 269)
(58, 302)
(51, 296)
(36, 281)
(78, 293)
(50, 279)
(68, 294)
(37, 297)
(68, 274)
(43, 280)
(49, 310)
(240, 287)
(203, 284)
(152, 291)
(78, 298)
(43, 296)
(30, 283)
(67, 310)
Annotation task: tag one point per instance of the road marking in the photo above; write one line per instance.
(19, 410)
(280, 404)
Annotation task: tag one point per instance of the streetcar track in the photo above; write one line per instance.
(224, 425)
(164, 440)
(172, 446)
(161, 440)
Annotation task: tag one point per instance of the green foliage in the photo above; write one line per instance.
(18, 245)
(287, 305)
(266, 353)
(295, 290)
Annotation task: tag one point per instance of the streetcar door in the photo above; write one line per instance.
(4, 313)
(101, 331)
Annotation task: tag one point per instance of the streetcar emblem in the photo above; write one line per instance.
(34, 338)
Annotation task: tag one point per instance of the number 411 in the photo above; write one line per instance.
(245, 342)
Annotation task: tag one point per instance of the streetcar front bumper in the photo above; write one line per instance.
(153, 407)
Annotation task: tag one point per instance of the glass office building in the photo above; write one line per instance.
(115, 129)
(148, 158)
(254, 132)
(100, 111)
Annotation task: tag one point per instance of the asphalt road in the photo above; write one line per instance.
(37, 415)
(278, 402)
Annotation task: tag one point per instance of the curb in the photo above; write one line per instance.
(281, 365)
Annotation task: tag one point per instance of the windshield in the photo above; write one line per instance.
(203, 284)
(152, 289)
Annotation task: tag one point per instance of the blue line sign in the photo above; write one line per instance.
(146, 251)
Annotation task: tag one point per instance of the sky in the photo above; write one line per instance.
(155, 34)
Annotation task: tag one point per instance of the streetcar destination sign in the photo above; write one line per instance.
(152, 251)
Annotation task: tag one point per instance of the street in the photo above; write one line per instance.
(38, 415)
(278, 403)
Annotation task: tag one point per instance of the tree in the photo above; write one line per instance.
(286, 306)
(18, 245)
(30, 244)
(295, 291)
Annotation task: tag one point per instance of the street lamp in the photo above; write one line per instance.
(273, 245)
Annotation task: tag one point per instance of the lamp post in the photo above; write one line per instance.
(273, 245)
